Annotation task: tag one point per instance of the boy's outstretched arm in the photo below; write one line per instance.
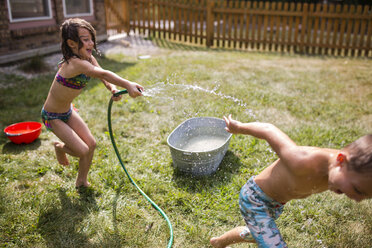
(278, 140)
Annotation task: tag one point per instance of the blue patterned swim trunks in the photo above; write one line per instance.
(260, 212)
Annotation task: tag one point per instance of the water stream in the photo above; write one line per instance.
(161, 90)
(166, 91)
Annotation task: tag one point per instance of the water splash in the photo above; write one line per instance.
(157, 91)
(161, 90)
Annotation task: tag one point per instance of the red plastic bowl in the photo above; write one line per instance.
(23, 132)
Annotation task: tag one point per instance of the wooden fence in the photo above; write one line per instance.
(320, 29)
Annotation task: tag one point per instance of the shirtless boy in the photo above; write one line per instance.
(299, 172)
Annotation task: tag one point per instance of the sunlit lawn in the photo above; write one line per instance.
(325, 102)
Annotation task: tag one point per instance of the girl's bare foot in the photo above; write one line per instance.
(82, 184)
(60, 154)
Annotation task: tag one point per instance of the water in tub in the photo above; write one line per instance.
(203, 143)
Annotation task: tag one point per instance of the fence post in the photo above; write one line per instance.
(210, 21)
(369, 36)
(126, 15)
(304, 27)
(106, 14)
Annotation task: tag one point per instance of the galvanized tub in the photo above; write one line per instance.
(198, 145)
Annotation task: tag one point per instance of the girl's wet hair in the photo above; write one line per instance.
(70, 30)
(360, 155)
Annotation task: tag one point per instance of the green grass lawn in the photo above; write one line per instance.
(325, 102)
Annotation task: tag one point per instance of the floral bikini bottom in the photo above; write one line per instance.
(48, 116)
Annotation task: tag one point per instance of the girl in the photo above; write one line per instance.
(75, 70)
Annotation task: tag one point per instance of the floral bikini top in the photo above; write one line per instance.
(78, 82)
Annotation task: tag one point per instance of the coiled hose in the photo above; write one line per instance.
(126, 172)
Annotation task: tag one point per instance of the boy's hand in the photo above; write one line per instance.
(232, 126)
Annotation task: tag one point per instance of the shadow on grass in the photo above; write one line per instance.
(227, 169)
(58, 225)
(112, 65)
(182, 46)
(173, 45)
(115, 239)
(13, 148)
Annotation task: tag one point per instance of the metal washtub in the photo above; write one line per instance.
(198, 145)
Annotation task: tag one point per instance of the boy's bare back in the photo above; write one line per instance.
(302, 171)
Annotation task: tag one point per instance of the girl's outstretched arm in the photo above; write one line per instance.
(91, 70)
(111, 87)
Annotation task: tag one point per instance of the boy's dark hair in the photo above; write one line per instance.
(69, 30)
(360, 155)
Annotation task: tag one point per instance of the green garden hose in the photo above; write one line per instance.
(126, 172)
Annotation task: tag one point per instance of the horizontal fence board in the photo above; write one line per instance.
(319, 29)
